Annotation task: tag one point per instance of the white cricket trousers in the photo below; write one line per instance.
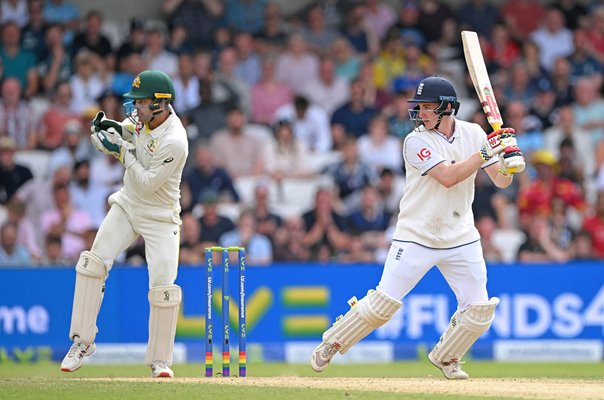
(162, 242)
(463, 268)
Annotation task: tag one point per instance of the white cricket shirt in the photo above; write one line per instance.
(430, 214)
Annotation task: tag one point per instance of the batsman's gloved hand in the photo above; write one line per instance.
(511, 161)
(497, 141)
(111, 143)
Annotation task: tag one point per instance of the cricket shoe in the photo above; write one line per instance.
(451, 370)
(160, 369)
(322, 355)
(75, 356)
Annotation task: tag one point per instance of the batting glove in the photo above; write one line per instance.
(497, 141)
(511, 161)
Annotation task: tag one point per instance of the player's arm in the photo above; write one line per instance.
(162, 166)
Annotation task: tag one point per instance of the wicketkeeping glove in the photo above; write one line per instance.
(110, 142)
(511, 161)
(497, 141)
(100, 123)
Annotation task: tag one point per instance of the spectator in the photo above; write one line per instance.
(86, 196)
(55, 118)
(32, 34)
(73, 149)
(544, 105)
(66, 221)
(378, 17)
(309, 122)
(134, 43)
(589, 109)
(399, 124)
(522, 16)
(26, 229)
(191, 249)
(205, 177)
(37, 193)
(17, 118)
(107, 171)
(245, 15)
(56, 65)
(66, 14)
(356, 251)
(351, 174)
(12, 175)
(370, 216)
(479, 16)
(15, 11)
(390, 190)
(86, 84)
(225, 81)
(212, 224)
(539, 246)
(237, 150)
(186, 85)
(52, 252)
(11, 252)
(328, 91)
(131, 65)
(211, 114)
(17, 62)
(594, 225)
(553, 38)
(316, 33)
(573, 12)
(272, 38)
(486, 226)
(258, 248)
(582, 61)
(288, 157)
(347, 63)
(390, 61)
(378, 149)
(200, 18)
(248, 65)
(289, 241)
(178, 43)
(93, 40)
(297, 65)
(325, 228)
(268, 94)
(582, 248)
(267, 222)
(155, 54)
(354, 116)
(111, 104)
(360, 37)
(502, 51)
(561, 78)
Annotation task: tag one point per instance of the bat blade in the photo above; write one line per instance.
(480, 78)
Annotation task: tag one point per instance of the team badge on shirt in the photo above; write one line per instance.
(151, 146)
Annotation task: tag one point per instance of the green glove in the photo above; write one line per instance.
(100, 124)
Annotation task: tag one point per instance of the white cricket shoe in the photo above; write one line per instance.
(75, 356)
(451, 370)
(160, 369)
(322, 355)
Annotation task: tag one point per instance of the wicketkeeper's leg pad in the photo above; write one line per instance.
(465, 329)
(369, 313)
(91, 273)
(164, 301)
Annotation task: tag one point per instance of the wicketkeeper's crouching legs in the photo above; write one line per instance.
(464, 330)
(364, 316)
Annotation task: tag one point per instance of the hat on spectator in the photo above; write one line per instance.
(137, 24)
(7, 143)
(544, 157)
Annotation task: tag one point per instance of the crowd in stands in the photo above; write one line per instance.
(296, 122)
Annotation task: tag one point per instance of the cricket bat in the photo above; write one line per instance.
(480, 78)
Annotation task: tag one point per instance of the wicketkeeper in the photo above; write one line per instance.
(435, 227)
(152, 145)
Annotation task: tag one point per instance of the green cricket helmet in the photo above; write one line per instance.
(152, 84)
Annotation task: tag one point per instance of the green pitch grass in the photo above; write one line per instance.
(46, 381)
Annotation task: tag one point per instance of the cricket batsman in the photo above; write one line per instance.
(152, 145)
(435, 227)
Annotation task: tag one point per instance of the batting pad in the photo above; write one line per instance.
(465, 329)
(371, 312)
(164, 301)
(89, 287)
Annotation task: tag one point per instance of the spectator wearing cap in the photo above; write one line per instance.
(17, 62)
(56, 65)
(155, 54)
(544, 105)
(11, 252)
(310, 124)
(17, 119)
(213, 225)
(12, 175)
(328, 91)
(93, 40)
(206, 176)
(72, 149)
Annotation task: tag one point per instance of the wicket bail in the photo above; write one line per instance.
(226, 351)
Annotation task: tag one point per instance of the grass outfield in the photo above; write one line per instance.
(409, 380)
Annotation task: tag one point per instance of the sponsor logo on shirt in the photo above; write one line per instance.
(424, 154)
(168, 160)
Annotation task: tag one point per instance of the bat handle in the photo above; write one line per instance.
(496, 127)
